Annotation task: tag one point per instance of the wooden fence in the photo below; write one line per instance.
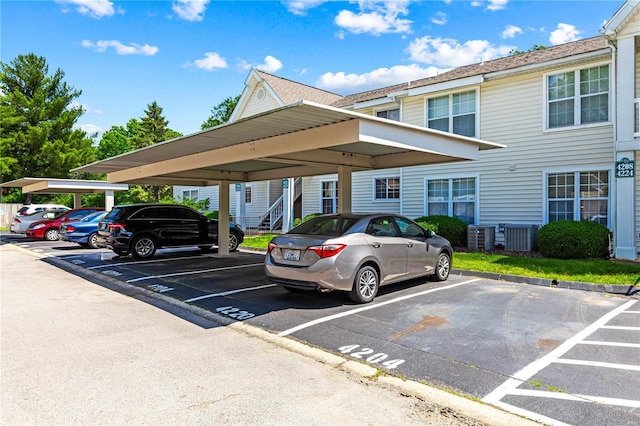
(7, 212)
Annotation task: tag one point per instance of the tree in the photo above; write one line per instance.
(38, 137)
(535, 47)
(153, 128)
(221, 113)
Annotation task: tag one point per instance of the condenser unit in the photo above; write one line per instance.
(481, 237)
(520, 237)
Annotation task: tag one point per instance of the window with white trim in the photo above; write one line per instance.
(578, 196)
(329, 197)
(387, 189)
(453, 113)
(248, 194)
(452, 197)
(578, 97)
(191, 194)
(391, 114)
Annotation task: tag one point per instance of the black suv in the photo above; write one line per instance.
(140, 229)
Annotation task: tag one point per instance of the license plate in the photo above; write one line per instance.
(292, 255)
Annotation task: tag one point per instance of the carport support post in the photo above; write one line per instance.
(77, 200)
(287, 204)
(223, 218)
(108, 200)
(344, 189)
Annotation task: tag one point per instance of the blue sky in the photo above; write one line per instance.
(189, 55)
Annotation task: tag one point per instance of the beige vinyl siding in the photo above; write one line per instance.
(413, 111)
(363, 193)
(256, 106)
(311, 190)
(631, 28)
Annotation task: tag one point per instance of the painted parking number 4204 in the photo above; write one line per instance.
(370, 356)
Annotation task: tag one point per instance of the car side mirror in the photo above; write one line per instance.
(430, 233)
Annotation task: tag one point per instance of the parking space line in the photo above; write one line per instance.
(142, 262)
(581, 398)
(371, 306)
(225, 293)
(598, 364)
(530, 370)
(601, 343)
(529, 414)
(203, 271)
(620, 327)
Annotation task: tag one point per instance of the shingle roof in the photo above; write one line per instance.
(290, 91)
(501, 64)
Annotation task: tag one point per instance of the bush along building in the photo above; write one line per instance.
(569, 116)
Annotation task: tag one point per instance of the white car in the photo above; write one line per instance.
(32, 208)
(20, 223)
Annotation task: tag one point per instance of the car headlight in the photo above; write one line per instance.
(38, 226)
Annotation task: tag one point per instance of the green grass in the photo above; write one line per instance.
(590, 271)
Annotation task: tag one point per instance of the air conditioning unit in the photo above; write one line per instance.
(481, 237)
(520, 237)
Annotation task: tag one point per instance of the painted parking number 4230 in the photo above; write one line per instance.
(371, 357)
(233, 312)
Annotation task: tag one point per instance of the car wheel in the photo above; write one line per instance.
(143, 247)
(365, 286)
(92, 241)
(52, 234)
(443, 267)
(234, 241)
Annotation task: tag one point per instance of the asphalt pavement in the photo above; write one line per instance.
(74, 350)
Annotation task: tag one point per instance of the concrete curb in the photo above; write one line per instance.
(466, 407)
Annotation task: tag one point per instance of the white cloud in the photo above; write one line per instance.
(476, 3)
(381, 77)
(120, 48)
(376, 17)
(300, 7)
(92, 8)
(91, 128)
(210, 62)
(444, 52)
(85, 108)
(564, 33)
(190, 10)
(510, 31)
(440, 18)
(497, 4)
(271, 64)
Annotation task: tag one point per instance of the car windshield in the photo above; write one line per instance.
(330, 225)
(92, 216)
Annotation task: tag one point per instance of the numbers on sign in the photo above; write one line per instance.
(235, 313)
(373, 359)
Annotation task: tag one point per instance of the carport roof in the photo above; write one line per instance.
(63, 186)
(301, 139)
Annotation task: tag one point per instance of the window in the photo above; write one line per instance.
(248, 194)
(329, 197)
(387, 189)
(452, 197)
(579, 196)
(578, 97)
(191, 194)
(454, 113)
(391, 114)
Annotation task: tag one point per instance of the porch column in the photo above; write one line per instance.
(287, 204)
(626, 146)
(109, 200)
(344, 189)
(77, 200)
(223, 218)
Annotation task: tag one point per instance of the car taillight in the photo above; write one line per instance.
(70, 228)
(270, 247)
(115, 226)
(327, 250)
(15, 219)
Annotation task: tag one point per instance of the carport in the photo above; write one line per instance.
(77, 187)
(301, 139)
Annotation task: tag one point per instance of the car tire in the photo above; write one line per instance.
(52, 234)
(443, 267)
(143, 247)
(92, 240)
(234, 241)
(365, 286)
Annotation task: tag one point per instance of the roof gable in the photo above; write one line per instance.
(290, 91)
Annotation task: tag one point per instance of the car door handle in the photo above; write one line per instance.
(376, 244)
(409, 244)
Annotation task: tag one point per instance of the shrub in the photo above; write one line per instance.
(570, 239)
(451, 228)
(297, 221)
(211, 214)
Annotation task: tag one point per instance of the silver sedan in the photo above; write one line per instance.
(356, 253)
(20, 223)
